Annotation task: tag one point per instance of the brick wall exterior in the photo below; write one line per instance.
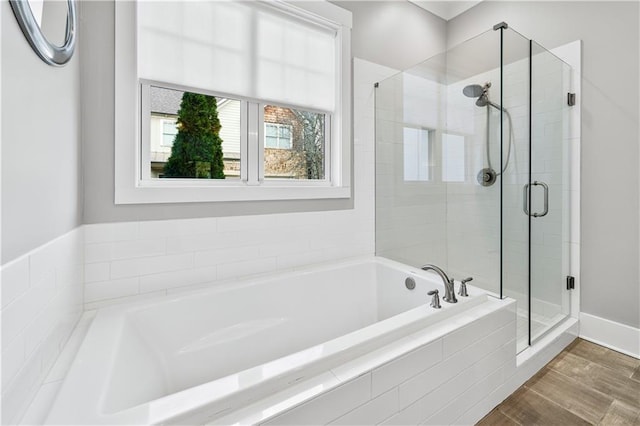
(284, 163)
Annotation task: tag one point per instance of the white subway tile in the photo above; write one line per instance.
(300, 259)
(42, 263)
(70, 275)
(425, 382)
(248, 267)
(150, 265)
(478, 329)
(453, 409)
(399, 370)
(15, 279)
(97, 252)
(202, 242)
(429, 404)
(138, 248)
(229, 255)
(13, 357)
(23, 310)
(43, 324)
(38, 315)
(94, 272)
(328, 406)
(167, 280)
(280, 248)
(111, 289)
(372, 412)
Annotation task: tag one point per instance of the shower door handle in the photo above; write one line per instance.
(525, 199)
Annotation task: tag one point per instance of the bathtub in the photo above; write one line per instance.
(205, 353)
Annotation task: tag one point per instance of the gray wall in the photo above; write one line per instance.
(610, 112)
(98, 106)
(41, 195)
(396, 34)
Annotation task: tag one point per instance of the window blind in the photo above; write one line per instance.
(250, 49)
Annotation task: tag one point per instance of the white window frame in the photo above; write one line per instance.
(131, 187)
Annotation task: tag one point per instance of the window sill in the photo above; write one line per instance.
(229, 192)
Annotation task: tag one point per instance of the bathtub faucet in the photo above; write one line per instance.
(449, 293)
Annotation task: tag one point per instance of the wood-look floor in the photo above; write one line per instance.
(586, 384)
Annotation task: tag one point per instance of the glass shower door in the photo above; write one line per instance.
(548, 192)
(534, 182)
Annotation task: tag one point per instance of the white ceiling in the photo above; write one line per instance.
(445, 9)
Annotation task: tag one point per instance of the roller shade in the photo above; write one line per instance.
(249, 49)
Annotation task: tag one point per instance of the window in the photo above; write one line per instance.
(169, 132)
(251, 59)
(277, 136)
(186, 130)
(416, 151)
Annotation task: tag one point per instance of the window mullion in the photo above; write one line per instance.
(244, 141)
(261, 128)
(253, 143)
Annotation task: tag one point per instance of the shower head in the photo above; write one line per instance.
(473, 90)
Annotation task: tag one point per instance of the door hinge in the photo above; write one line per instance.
(571, 282)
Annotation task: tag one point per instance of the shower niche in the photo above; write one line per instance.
(473, 169)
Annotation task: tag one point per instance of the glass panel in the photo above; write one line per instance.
(550, 301)
(416, 154)
(294, 145)
(193, 135)
(433, 210)
(473, 209)
(453, 152)
(514, 122)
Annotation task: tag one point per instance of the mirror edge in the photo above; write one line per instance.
(49, 53)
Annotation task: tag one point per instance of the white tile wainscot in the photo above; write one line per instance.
(41, 303)
(133, 260)
(435, 376)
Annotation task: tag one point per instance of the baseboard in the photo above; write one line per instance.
(611, 334)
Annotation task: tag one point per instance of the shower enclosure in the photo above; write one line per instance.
(472, 169)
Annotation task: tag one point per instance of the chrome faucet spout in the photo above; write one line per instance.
(449, 293)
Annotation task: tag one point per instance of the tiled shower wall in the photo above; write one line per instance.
(133, 260)
(41, 303)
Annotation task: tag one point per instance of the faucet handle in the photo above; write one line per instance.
(435, 300)
(463, 287)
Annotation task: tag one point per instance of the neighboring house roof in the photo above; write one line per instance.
(165, 101)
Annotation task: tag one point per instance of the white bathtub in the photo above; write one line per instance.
(213, 351)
